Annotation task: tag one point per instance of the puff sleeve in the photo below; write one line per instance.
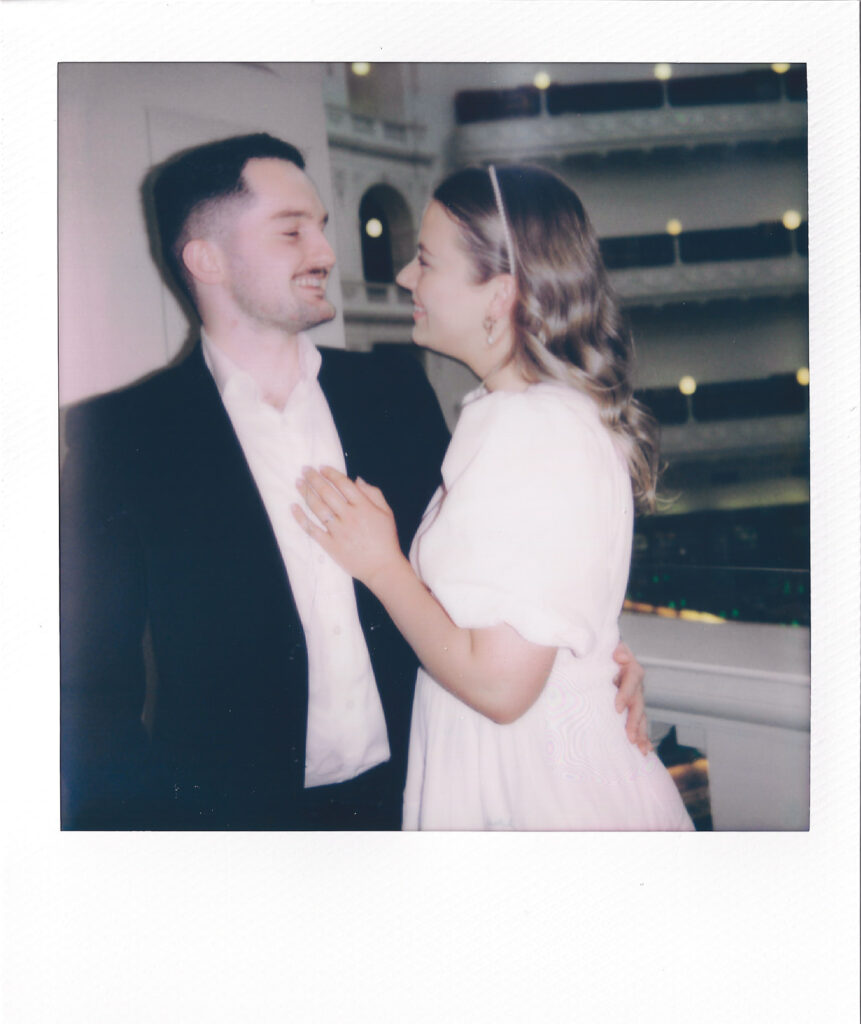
(534, 525)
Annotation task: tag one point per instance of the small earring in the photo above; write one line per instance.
(488, 326)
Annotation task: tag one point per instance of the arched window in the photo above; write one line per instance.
(386, 230)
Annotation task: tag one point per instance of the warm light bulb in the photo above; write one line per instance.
(360, 68)
(373, 228)
(781, 69)
(541, 80)
(687, 385)
(791, 220)
(663, 72)
(674, 227)
(803, 376)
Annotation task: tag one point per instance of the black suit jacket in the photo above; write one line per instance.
(174, 593)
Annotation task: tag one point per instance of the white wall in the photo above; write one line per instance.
(117, 320)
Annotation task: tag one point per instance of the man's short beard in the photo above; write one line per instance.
(321, 315)
(291, 321)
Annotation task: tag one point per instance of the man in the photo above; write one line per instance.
(217, 671)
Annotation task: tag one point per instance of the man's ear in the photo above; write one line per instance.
(202, 259)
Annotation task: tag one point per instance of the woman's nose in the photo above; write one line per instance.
(407, 277)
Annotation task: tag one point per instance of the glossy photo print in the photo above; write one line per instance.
(430, 520)
(361, 217)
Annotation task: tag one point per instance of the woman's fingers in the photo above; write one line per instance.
(373, 494)
(314, 531)
(338, 490)
(331, 491)
(340, 483)
(333, 497)
(324, 507)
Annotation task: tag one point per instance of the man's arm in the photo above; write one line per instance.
(104, 748)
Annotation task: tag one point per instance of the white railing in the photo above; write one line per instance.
(751, 436)
(651, 285)
(740, 693)
(706, 281)
(375, 134)
(369, 299)
(564, 134)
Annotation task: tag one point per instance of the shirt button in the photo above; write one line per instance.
(337, 630)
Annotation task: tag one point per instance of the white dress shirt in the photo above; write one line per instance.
(346, 726)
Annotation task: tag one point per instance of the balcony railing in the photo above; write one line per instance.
(650, 286)
(728, 437)
(760, 85)
(641, 286)
(369, 300)
(740, 694)
(546, 136)
(383, 136)
(743, 261)
(722, 593)
(527, 123)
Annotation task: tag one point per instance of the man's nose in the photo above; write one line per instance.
(322, 254)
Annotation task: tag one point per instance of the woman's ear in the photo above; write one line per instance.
(202, 259)
(504, 294)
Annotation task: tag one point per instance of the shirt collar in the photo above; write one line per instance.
(224, 370)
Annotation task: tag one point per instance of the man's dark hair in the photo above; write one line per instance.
(194, 177)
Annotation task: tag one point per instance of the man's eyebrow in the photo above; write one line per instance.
(298, 215)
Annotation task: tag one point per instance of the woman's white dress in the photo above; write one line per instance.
(532, 527)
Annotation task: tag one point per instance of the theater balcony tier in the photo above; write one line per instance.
(376, 136)
(546, 137)
(750, 437)
(703, 282)
(390, 307)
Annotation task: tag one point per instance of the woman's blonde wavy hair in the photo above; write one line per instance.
(567, 323)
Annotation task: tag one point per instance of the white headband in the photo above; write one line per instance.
(499, 205)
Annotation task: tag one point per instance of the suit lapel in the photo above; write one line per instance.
(335, 383)
(219, 476)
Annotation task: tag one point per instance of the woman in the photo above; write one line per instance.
(518, 572)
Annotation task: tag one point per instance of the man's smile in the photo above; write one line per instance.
(314, 281)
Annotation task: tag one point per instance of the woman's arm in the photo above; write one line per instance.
(493, 670)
